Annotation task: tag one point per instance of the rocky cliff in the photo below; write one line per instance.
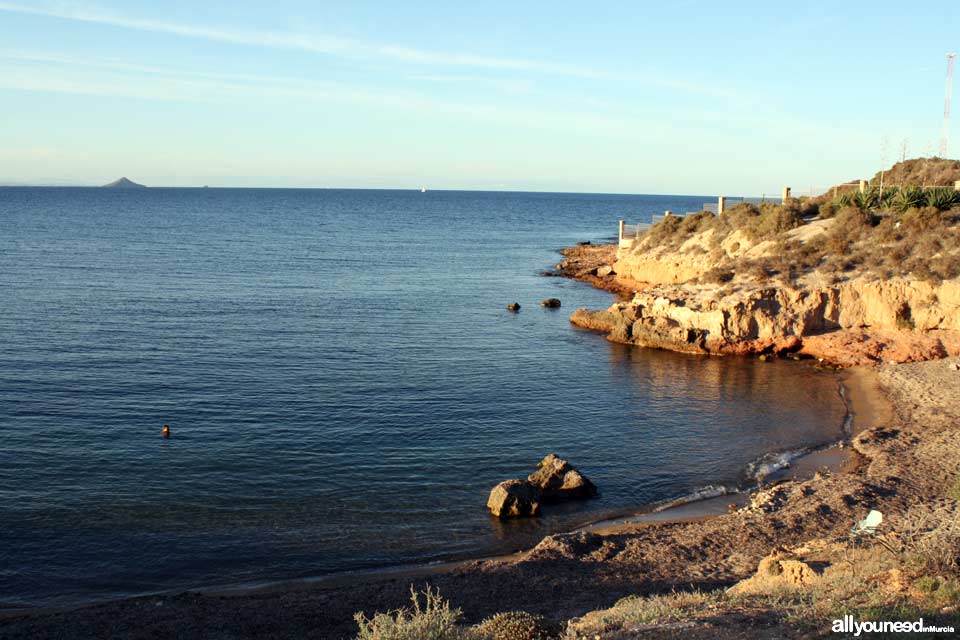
(856, 322)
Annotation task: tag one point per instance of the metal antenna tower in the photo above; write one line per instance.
(945, 138)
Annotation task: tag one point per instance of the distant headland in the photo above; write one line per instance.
(124, 183)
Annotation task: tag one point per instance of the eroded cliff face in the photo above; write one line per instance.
(856, 322)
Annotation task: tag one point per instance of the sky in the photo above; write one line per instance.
(738, 98)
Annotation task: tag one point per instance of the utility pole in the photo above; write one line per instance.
(945, 138)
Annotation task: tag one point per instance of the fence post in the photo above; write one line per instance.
(620, 231)
(863, 186)
(786, 195)
(668, 213)
(721, 205)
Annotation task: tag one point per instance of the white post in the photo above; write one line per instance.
(721, 205)
(620, 233)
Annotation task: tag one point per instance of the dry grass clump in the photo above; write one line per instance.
(642, 610)
(517, 625)
(672, 231)
(431, 619)
(930, 539)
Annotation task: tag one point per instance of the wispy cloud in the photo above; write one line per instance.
(56, 73)
(351, 48)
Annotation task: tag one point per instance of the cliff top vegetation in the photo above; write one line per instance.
(907, 231)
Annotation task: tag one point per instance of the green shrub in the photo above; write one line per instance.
(517, 625)
(844, 200)
(942, 198)
(867, 200)
(433, 619)
(910, 198)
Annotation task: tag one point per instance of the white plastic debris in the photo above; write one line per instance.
(868, 526)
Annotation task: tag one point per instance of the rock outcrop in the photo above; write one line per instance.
(514, 499)
(513, 306)
(551, 303)
(780, 570)
(848, 324)
(556, 480)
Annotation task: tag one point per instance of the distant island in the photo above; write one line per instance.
(124, 183)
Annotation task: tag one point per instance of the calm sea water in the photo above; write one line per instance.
(343, 384)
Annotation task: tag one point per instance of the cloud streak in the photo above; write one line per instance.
(350, 48)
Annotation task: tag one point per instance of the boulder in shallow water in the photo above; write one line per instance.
(514, 499)
(551, 303)
(558, 480)
(513, 306)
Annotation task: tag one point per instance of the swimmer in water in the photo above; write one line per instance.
(165, 431)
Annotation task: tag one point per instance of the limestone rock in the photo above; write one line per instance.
(552, 303)
(779, 570)
(514, 499)
(605, 270)
(558, 480)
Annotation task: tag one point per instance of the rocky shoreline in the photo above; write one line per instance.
(844, 325)
(904, 454)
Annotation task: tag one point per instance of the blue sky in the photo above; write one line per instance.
(634, 97)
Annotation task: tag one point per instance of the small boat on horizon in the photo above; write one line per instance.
(423, 189)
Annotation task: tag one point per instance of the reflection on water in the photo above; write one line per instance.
(342, 381)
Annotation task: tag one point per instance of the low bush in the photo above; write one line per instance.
(431, 619)
(517, 625)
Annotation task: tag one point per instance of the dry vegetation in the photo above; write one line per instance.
(907, 571)
(908, 231)
(921, 171)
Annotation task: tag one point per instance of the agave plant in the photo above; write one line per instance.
(910, 198)
(866, 200)
(888, 197)
(843, 200)
(942, 198)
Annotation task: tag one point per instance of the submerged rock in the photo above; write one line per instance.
(558, 480)
(513, 306)
(551, 303)
(514, 499)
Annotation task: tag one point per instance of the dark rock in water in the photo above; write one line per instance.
(513, 306)
(558, 480)
(124, 183)
(555, 481)
(514, 499)
(551, 303)
(583, 243)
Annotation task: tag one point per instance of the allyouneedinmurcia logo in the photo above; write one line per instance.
(848, 625)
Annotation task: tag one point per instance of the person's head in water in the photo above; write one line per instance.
(165, 431)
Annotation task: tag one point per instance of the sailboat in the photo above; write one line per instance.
(423, 189)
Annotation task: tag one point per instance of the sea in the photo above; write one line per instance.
(342, 383)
